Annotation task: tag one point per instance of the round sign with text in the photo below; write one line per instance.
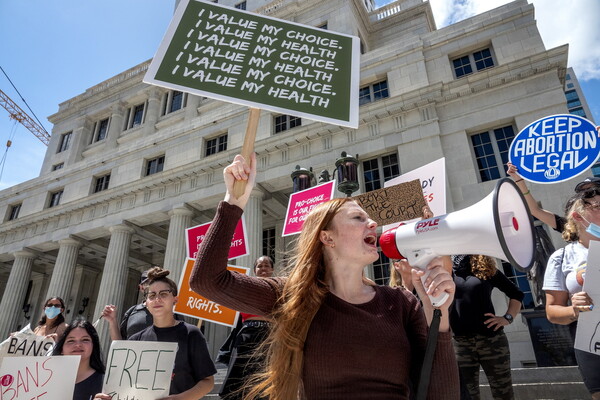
(555, 148)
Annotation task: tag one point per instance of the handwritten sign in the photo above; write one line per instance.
(588, 323)
(193, 305)
(433, 183)
(38, 378)
(301, 203)
(138, 370)
(395, 203)
(196, 234)
(261, 62)
(26, 343)
(555, 148)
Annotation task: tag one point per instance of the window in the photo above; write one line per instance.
(100, 130)
(596, 169)
(155, 165)
(571, 95)
(55, 198)
(241, 5)
(56, 167)
(268, 243)
(520, 280)
(376, 168)
(65, 141)
(135, 116)
(14, 212)
(381, 269)
(323, 26)
(578, 111)
(491, 151)
(478, 61)
(570, 86)
(173, 101)
(374, 92)
(285, 122)
(101, 183)
(216, 145)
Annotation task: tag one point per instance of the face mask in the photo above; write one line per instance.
(51, 312)
(592, 228)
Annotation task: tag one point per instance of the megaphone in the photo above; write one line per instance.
(498, 226)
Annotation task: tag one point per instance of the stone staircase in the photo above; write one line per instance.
(548, 383)
(556, 383)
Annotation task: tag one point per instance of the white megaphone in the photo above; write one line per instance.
(499, 226)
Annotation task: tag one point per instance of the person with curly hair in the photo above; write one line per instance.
(335, 334)
(565, 275)
(479, 338)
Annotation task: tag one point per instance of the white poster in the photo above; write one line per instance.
(588, 324)
(26, 343)
(433, 183)
(38, 378)
(139, 370)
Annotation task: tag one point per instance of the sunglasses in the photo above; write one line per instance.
(589, 193)
(54, 305)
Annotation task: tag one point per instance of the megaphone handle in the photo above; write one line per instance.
(437, 300)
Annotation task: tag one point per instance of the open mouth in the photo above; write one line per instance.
(371, 240)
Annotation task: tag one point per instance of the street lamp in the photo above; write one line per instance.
(302, 178)
(347, 174)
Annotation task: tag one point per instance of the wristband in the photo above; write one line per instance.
(518, 180)
(526, 193)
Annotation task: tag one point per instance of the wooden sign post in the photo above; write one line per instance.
(247, 147)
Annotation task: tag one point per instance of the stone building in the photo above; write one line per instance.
(129, 165)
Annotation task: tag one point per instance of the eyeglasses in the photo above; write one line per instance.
(163, 294)
(53, 305)
(592, 206)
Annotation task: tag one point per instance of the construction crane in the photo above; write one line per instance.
(21, 116)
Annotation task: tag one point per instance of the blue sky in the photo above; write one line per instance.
(55, 50)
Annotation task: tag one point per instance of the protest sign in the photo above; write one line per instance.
(196, 234)
(433, 183)
(555, 148)
(26, 343)
(301, 203)
(193, 305)
(588, 323)
(261, 62)
(38, 378)
(139, 369)
(397, 203)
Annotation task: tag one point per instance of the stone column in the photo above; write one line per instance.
(114, 278)
(191, 107)
(254, 228)
(116, 124)
(153, 110)
(15, 292)
(181, 218)
(64, 270)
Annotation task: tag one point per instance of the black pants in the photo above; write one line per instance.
(244, 360)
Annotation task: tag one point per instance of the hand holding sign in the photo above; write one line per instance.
(240, 170)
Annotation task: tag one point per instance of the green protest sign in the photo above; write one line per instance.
(262, 62)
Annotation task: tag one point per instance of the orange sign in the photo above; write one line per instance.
(193, 305)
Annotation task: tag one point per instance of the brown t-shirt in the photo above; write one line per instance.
(360, 351)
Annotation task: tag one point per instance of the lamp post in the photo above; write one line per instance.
(347, 174)
(302, 178)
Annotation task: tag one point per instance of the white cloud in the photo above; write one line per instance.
(559, 22)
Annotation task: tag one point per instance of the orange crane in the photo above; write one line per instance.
(21, 116)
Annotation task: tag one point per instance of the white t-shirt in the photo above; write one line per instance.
(566, 269)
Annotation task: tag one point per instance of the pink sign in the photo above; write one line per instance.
(196, 234)
(301, 203)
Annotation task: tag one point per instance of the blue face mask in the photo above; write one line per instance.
(51, 312)
(592, 228)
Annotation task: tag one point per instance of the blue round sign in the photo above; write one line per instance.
(555, 148)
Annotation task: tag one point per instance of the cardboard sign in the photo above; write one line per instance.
(38, 378)
(25, 343)
(433, 183)
(392, 204)
(139, 370)
(555, 148)
(588, 323)
(261, 62)
(193, 305)
(196, 234)
(301, 203)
